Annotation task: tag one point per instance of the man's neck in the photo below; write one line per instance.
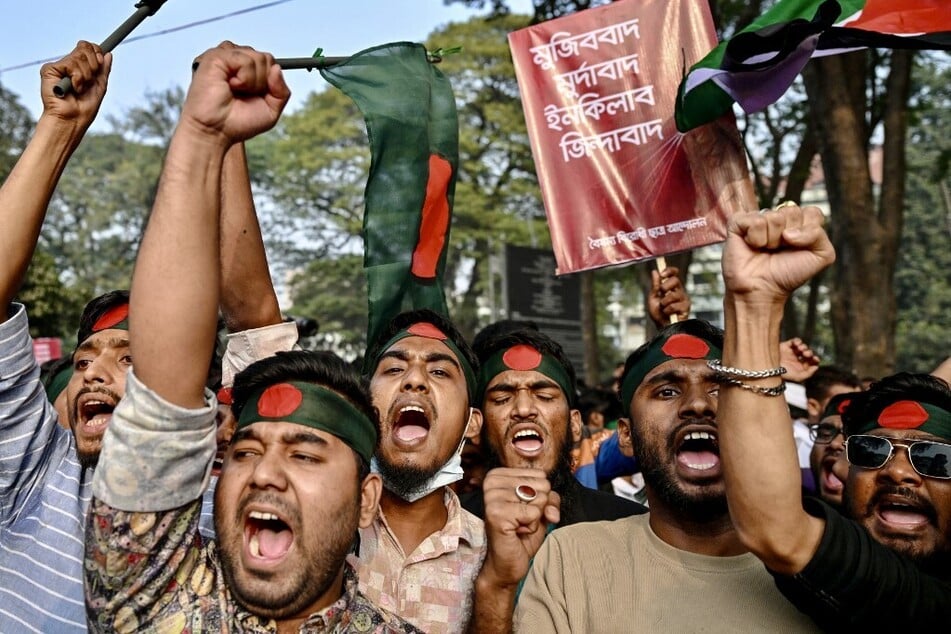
(713, 536)
(412, 522)
(291, 625)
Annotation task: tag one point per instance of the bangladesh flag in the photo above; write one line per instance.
(413, 128)
(756, 66)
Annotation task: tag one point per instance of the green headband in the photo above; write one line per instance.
(312, 406)
(525, 357)
(838, 404)
(911, 415)
(428, 330)
(663, 349)
(59, 383)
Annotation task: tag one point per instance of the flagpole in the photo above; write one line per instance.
(144, 8)
(314, 63)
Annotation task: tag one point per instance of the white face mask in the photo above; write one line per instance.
(447, 474)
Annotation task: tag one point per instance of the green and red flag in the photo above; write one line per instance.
(413, 129)
(756, 66)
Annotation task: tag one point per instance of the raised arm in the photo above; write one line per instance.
(235, 94)
(26, 192)
(767, 256)
(514, 530)
(248, 299)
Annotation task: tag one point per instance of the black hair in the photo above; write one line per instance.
(319, 367)
(406, 319)
(904, 386)
(49, 369)
(598, 399)
(541, 342)
(497, 328)
(96, 308)
(696, 327)
(826, 377)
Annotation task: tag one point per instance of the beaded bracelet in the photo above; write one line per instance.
(714, 364)
(756, 389)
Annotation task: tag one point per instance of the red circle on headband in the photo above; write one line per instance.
(279, 400)
(682, 346)
(843, 404)
(111, 317)
(903, 415)
(426, 329)
(522, 357)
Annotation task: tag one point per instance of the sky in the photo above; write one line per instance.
(41, 29)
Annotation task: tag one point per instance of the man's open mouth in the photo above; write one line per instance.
(95, 414)
(699, 451)
(830, 482)
(903, 513)
(528, 442)
(411, 425)
(267, 536)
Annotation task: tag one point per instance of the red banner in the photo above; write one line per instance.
(619, 183)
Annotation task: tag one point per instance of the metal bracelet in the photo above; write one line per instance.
(715, 365)
(777, 390)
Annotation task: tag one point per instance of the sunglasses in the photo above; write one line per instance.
(824, 433)
(930, 459)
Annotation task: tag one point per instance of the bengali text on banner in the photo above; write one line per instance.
(619, 183)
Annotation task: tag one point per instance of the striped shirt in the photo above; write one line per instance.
(44, 494)
(432, 586)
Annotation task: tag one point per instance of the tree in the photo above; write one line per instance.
(54, 307)
(101, 205)
(851, 98)
(922, 284)
(16, 126)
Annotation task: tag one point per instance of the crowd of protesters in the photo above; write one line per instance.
(150, 485)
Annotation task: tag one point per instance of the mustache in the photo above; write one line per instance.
(909, 495)
(290, 515)
(675, 431)
(98, 390)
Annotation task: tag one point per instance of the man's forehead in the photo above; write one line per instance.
(679, 368)
(416, 346)
(108, 338)
(286, 432)
(906, 434)
(521, 378)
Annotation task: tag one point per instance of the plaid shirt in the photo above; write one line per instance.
(432, 587)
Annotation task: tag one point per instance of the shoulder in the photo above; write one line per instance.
(601, 505)
(585, 536)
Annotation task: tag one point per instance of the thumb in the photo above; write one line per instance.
(552, 510)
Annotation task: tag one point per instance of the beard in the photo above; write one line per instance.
(88, 458)
(933, 558)
(658, 471)
(317, 565)
(87, 448)
(404, 479)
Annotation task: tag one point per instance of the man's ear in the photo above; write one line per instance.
(475, 423)
(370, 491)
(624, 442)
(575, 423)
(813, 409)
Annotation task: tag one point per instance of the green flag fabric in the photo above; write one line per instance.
(757, 65)
(413, 128)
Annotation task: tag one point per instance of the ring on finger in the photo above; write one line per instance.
(525, 493)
